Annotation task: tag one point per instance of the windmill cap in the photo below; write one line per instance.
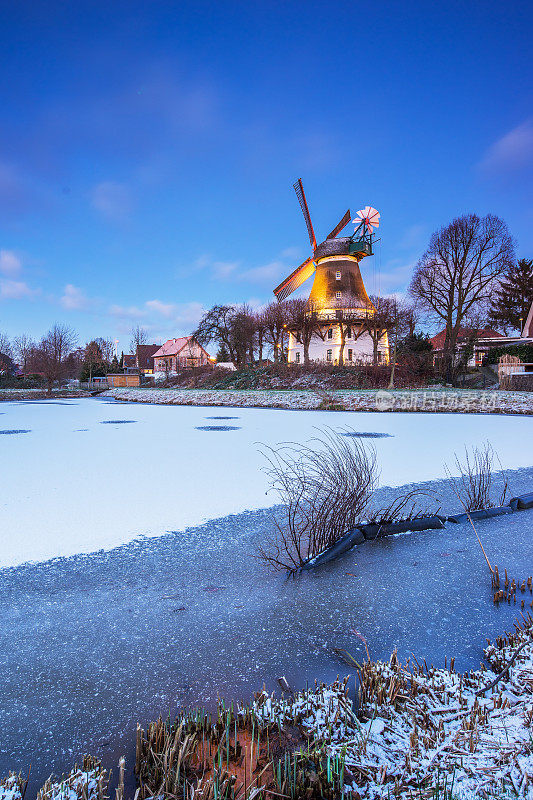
(343, 246)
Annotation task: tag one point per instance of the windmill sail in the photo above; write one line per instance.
(340, 225)
(295, 280)
(299, 189)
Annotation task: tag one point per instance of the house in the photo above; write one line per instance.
(178, 354)
(145, 358)
(129, 363)
(483, 339)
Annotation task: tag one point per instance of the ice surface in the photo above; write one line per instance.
(62, 494)
(92, 644)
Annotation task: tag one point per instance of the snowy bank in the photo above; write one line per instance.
(421, 400)
(419, 728)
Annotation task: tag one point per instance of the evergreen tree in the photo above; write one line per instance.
(223, 356)
(512, 299)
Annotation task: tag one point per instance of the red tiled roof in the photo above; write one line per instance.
(464, 333)
(129, 360)
(174, 346)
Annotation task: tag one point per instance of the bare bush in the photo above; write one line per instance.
(405, 508)
(474, 486)
(324, 488)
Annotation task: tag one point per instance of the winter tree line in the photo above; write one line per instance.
(467, 277)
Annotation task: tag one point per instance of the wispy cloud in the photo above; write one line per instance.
(74, 299)
(16, 290)
(127, 312)
(113, 200)
(266, 273)
(10, 263)
(512, 151)
(165, 309)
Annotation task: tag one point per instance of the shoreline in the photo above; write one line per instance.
(412, 728)
(472, 401)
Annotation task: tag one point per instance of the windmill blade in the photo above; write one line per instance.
(295, 279)
(299, 189)
(340, 225)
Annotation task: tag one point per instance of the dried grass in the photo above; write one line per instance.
(474, 486)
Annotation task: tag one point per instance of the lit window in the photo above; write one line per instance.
(338, 295)
(297, 358)
(348, 333)
(337, 276)
(350, 355)
(329, 355)
(330, 333)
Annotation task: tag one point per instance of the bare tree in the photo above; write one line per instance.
(380, 321)
(276, 326)
(303, 323)
(138, 336)
(5, 345)
(351, 322)
(232, 327)
(23, 346)
(260, 329)
(53, 356)
(458, 271)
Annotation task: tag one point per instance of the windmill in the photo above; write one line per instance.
(335, 261)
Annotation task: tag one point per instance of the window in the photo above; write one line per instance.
(329, 355)
(330, 333)
(379, 355)
(338, 295)
(348, 333)
(297, 357)
(350, 355)
(337, 276)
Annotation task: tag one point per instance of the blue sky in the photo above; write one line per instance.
(148, 150)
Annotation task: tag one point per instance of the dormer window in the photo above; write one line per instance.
(337, 276)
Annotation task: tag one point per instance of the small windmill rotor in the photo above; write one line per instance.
(366, 220)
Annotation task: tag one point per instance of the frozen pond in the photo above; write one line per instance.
(71, 484)
(93, 643)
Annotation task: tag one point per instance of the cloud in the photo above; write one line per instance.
(16, 290)
(165, 309)
(113, 200)
(182, 317)
(224, 269)
(74, 299)
(512, 152)
(126, 312)
(10, 263)
(265, 273)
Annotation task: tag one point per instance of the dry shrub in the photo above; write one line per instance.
(324, 488)
(405, 508)
(474, 486)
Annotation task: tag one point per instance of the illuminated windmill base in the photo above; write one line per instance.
(338, 298)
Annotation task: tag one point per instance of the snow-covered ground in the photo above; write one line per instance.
(72, 484)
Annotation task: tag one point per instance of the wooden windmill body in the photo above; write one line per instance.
(338, 297)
